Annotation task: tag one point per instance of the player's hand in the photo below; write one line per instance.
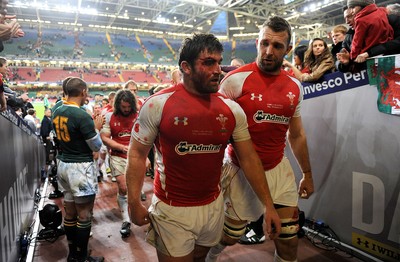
(272, 222)
(98, 122)
(124, 149)
(306, 186)
(138, 214)
(148, 164)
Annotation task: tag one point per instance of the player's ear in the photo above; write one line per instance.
(186, 67)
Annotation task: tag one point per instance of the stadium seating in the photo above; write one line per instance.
(246, 50)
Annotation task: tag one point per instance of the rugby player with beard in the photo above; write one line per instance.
(116, 134)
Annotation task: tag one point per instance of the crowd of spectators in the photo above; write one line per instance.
(366, 19)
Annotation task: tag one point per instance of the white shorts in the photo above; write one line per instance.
(77, 179)
(175, 231)
(241, 203)
(118, 165)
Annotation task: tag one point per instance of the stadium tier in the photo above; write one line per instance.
(88, 46)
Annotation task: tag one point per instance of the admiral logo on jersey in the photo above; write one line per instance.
(260, 117)
(183, 148)
(124, 134)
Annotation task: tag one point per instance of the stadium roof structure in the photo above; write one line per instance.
(177, 18)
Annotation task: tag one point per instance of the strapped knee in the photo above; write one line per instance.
(289, 228)
(234, 231)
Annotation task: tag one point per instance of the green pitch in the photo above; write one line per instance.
(39, 107)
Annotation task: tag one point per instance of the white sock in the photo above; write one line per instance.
(123, 207)
(214, 252)
(277, 258)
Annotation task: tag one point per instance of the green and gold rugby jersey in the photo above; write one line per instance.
(57, 105)
(73, 127)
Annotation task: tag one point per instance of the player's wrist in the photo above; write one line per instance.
(307, 173)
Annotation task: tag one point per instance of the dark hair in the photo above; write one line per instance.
(192, 47)
(3, 61)
(278, 24)
(300, 51)
(31, 111)
(74, 86)
(345, 8)
(310, 60)
(127, 96)
(151, 90)
(64, 84)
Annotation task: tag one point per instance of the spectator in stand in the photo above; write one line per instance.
(4, 72)
(298, 53)
(338, 35)
(390, 47)
(368, 20)
(349, 18)
(387, 48)
(14, 101)
(342, 58)
(318, 59)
